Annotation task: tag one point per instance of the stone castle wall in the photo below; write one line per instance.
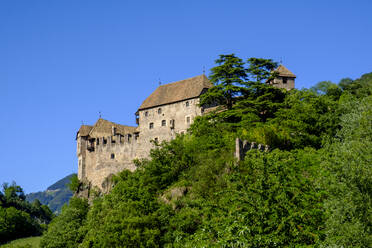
(284, 82)
(167, 121)
(99, 158)
(109, 155)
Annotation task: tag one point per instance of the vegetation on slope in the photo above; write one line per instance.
(19, 218)
(31, 242)
(55, 196)
(311, 190)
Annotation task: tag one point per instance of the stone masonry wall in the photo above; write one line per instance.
(284, 82)
(110, 155)
(96, 164)
(181, 114)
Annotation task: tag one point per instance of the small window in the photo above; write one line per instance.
(187, 104)
(112, 155)
(163, 123)
(188, 119)
(284, 80)
(104, 141)
(151, 125)
(159, 111)
(156, 140)
(146, 113)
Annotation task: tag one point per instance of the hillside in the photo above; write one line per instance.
(311, 189)
(55, 196)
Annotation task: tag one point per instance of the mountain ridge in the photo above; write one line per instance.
(55, 196)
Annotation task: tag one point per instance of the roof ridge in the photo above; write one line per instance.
(283, 71)
(176, 91)
(181, 80)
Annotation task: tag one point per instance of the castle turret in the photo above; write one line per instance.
(285, 78)
(82, 146)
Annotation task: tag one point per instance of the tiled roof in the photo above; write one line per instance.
(103, 128)
(177, 91)
(284, 72)
(84, 130)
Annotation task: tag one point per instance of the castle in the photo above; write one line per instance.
(107, 148)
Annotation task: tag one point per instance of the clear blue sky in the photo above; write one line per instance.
(61, 62)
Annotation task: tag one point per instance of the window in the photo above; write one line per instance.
(112, 155)
(159, 111)
(146, 113)
(284, 80)
(151, 125)
(187, 104)
(163, 123)
(188, 119)
(104, 141)
(171, 122)
(156, 140)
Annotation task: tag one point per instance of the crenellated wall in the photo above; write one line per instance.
(243, 146)
(108, 148)
(104, 156)
(101, 156)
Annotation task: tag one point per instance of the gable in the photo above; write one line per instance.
(103, 128)
(284, 72)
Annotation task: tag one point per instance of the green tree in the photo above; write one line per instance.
(19, 218)
(228, 79)
(65, 231)
(345, 83)
(348, 178)
(74, 183)
(327, 88)
(261, 70)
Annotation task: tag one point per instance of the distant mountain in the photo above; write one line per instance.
(55, 196)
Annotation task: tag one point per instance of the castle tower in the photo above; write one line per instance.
(285, 78)
(81, 151)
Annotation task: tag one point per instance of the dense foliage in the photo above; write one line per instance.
(56, 194)
(313, 189)
(19, 218)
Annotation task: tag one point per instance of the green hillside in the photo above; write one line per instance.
(311, 189)
(18, 217)
(32, 242)
(55, 196)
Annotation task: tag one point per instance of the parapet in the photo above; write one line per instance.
(243, 146)
(117, 140)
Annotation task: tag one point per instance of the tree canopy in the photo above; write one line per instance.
(19, 218)
(312, 189)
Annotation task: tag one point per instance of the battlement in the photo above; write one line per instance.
(107, 148)
(111, 142)
(243, 146)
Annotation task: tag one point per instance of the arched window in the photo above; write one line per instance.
(187, 104)
(151, 125)
(159, 111)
